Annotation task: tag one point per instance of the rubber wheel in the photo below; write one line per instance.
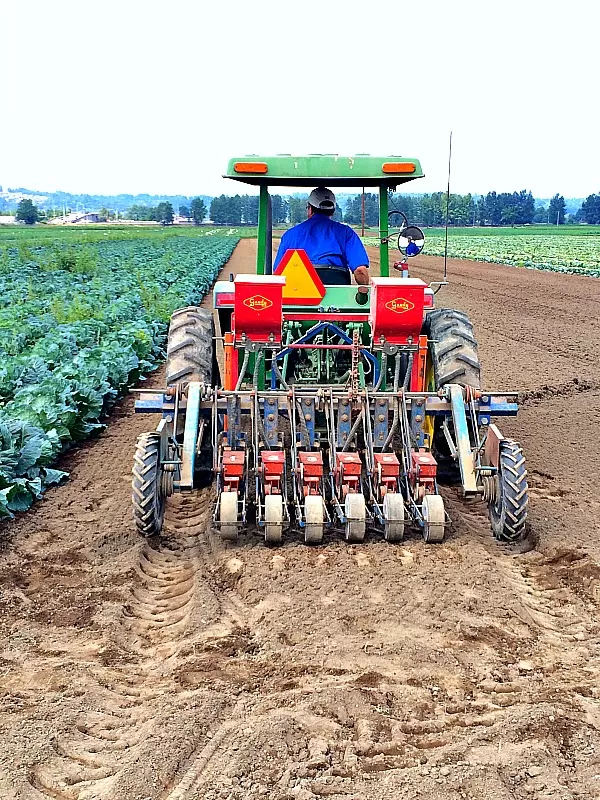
(453, 348)
(508, 514)
(434, 518)
(393, 512)
(228, 516)
(148, 501)
(455, 359)
(190, 346)
(273, 518)
(314, 515)
(356, 512)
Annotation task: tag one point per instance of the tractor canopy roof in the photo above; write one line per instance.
(328, 169)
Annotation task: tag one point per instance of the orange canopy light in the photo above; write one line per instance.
(251, 166)
(394, 168)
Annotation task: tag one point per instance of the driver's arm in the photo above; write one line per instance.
(361, 276)
(357, 255)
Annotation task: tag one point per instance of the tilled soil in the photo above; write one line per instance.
(185, 668)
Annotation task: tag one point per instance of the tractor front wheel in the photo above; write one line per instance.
(147, 489)
(508, 508)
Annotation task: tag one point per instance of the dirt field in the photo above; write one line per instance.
(186, 669)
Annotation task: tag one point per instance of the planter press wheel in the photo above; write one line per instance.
(508, 504)
(393, 513)
(314, 514)
(228, 516)
(273, 518)
(356, 512)
(147, 486)
(434, 518)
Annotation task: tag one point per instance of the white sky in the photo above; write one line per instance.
(146, 96)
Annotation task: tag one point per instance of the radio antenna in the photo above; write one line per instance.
(447, 208)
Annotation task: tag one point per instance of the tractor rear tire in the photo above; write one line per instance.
(190, 346)
(454, 357)
(453, 348)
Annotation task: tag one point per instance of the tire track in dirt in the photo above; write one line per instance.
(208, 764)
(448, 726)
(557, 596)
(153, 629)
(198, 526)
(87, 762)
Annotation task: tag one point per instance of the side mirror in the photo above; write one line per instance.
(411, 241)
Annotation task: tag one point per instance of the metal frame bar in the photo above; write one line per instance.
(190, 435)
(462, 436)
(496, 405)
(384, 258)
(263, 214)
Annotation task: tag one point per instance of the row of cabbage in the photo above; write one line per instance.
(78, 325)
(573, 254)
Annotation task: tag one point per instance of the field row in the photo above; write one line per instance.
(573, 251)
(78, 324)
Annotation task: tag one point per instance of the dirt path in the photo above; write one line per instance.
(185, 669)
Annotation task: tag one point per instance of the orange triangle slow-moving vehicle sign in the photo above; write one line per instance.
(303, 287)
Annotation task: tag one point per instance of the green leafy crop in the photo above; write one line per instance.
(80, 321)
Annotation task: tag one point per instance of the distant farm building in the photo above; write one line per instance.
(76, 218)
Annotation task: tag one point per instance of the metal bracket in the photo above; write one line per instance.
(308, 410)
(234, 421)
(449, 439)
(190, 433)
(381, 422)
(463, 439)
(344, 421)
(271, 418)
(417, 418)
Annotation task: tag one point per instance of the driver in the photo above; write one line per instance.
(334, 249)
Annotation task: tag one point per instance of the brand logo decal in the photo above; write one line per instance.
(258, 303)
(399, 305)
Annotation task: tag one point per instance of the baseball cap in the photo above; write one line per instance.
(322, 198)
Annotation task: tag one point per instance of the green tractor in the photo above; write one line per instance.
(319, 408)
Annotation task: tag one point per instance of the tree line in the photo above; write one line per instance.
(590, 210)
(428, 210)
(164, 213)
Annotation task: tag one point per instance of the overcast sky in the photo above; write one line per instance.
(144, 96)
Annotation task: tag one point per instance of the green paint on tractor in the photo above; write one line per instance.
(333, 170)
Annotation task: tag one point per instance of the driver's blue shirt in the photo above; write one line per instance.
(326, 242)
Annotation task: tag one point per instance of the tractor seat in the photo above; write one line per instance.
(333, 276)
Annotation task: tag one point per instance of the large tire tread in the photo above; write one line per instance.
(148, 506)
(453, 348)
(190, 346)
(509, 515)
(453, 351)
